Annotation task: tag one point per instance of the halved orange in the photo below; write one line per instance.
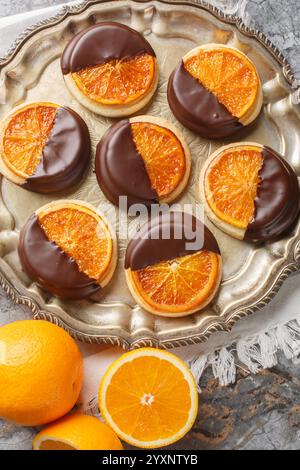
(77, 432)
(231, 181)
(227, 73)
(163, 155)
(117, 81)
(24, 137)
(181, 285)
(81, 233)
(149, 398)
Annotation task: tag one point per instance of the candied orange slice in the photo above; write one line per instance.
(162, 154)
(149, 398)
(25, 136)
(227, 73)
(82, 235)
(117, 81)
(179, 285)
(231, 184)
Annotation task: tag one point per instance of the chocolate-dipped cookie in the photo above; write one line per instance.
(111, 69)
(173, 265)
(215, 91)
(44, 147)
(249, 191)
(68, 249)
(144, 158)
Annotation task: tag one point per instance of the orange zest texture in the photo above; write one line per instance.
(25, 136)
(229, 75)
(162, 154)
(82, 235)
(77, 431)
(178, 285)
(231, 185)
(40, 372)
(149, 398)
(117, 81)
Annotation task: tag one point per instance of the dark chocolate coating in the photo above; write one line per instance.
(277, 201)
(197, 108)
(120, 170)
(102, 43)
(150, 247)
(47, 265)
(65, 156)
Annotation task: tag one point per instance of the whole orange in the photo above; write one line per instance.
(40, 372)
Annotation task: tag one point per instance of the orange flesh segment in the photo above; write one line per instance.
(81, 236)
(117, 81)
(231, 185)
(25, 137)
(149, 398)
(230, 76)
(180, 284)
(162, 154)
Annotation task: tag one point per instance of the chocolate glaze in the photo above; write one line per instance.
(101, 43)
(197, 108)
(51, 268)
(65, 156)
(149, 247)
(277, 201)
(120, 169)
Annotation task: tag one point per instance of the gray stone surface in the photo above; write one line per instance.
(258, 412)
(13, 7)
(279, 20)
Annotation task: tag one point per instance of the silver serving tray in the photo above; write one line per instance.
(252, 276)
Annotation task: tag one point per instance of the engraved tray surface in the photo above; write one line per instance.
(252, 275)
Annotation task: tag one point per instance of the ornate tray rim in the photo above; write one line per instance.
(292, 264)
